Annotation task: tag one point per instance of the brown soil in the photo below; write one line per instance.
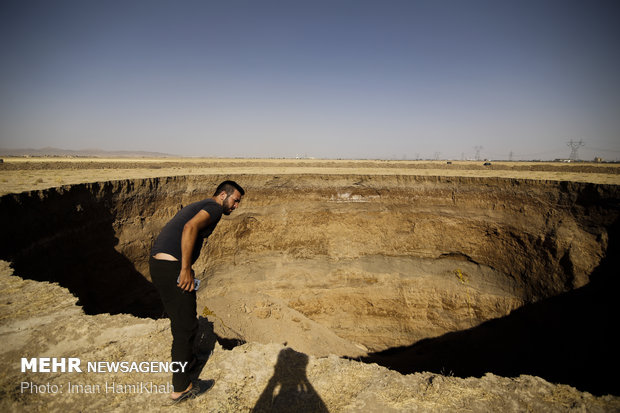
(443, 277)
(41, 319)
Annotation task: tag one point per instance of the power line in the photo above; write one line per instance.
(602, 150)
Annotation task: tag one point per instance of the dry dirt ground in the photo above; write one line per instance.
(25, 174)
(42, 319)
(291, 361)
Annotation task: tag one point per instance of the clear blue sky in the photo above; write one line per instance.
(327, 79)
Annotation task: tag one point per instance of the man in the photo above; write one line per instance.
(174, 252)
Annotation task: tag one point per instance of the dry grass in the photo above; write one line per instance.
(24, 174)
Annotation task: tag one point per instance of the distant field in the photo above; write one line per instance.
(24, 174)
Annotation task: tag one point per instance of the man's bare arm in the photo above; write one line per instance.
(188, 240)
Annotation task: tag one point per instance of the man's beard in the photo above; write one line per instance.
(227, 208)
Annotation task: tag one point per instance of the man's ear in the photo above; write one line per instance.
(223, 195)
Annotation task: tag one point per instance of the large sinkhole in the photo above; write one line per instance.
(458, 276)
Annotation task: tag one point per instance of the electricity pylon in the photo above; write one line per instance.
(478, 149)
(574, 146)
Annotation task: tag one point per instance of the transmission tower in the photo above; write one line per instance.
(478, 149)
(574, 146)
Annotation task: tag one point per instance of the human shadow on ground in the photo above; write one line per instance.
(203, 347)
(204, 386)
(568, 339)
(67, 236)
(289, 389)
(204, 344)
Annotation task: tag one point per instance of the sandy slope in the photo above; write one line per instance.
(41, 319)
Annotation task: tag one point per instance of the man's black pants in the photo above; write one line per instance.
(181, 309)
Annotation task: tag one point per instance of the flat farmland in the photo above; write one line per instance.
(26, 174)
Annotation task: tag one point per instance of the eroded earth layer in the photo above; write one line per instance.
(454, 275)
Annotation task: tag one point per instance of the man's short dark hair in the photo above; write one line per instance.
(228, 187)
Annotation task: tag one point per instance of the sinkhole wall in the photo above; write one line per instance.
(544, 237)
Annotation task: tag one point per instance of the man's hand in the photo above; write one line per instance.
(186, 280)
(188, 239)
